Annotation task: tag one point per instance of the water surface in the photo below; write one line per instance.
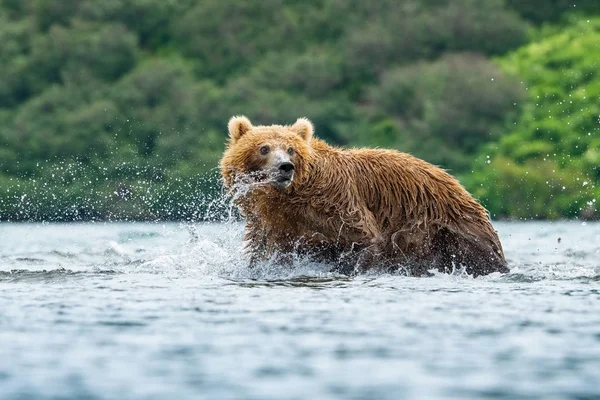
(155, 311)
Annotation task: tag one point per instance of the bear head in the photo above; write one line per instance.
(274, 156)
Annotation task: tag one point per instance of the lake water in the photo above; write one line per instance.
(157, 311)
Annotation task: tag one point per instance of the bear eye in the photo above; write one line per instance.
(290, 151)
(264, 150)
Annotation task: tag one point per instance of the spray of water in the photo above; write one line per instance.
(208, 242)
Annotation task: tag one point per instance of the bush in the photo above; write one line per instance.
(445, 110)
(540, 11)
(227, 36)
(165, 113)
(535, 189)
(402, 31)
(559, 126)
(16, 39)
(104, 52)
(149, 19)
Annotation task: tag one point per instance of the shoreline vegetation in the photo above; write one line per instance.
(117, 110)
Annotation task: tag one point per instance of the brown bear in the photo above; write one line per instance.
(356, 208)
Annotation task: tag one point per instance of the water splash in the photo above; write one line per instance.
(210, 250)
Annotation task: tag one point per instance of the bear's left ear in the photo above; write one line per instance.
(237, 126)
(304, 128)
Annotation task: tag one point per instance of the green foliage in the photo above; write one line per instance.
(117, 109)
(16, 38)
(445, 110)
(538, 189)
(540, 11)
(397, 33)
(553, 150)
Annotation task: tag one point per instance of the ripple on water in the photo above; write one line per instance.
(25, 275)
(171, 311)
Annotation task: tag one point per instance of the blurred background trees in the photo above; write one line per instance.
(553, 150)
(117, 109)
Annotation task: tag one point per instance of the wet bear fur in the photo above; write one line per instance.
(355, 208)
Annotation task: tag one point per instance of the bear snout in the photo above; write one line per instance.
(286, 167)
(284, 174)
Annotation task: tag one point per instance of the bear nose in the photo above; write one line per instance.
(286, 167)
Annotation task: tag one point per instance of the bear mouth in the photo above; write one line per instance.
(282, 182)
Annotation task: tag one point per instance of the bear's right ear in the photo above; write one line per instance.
(304, 128)
(238, 126)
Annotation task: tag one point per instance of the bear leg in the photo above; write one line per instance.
(477, 255)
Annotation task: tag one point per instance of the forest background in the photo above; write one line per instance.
(117, 110)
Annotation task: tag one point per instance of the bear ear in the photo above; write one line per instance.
(304, 128)
(238, 126)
